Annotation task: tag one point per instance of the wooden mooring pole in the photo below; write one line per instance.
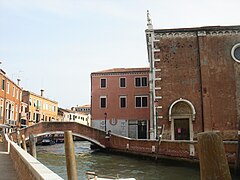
(32, 145)
(213, 161)
(70, 156)
(24, 143)
(18, 138)
(237, 165)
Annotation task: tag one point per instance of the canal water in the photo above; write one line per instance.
(112, 165)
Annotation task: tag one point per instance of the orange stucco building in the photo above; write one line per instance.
(10, 101)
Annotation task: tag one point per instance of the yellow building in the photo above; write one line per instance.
(39, 108)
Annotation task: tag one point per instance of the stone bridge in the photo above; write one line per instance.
(184, 150)
(92, 135)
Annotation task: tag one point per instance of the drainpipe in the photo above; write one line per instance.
(4, 102)
(200, 78)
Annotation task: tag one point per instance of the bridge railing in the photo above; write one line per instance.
(28, 167)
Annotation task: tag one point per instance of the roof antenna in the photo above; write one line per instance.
(149, 24)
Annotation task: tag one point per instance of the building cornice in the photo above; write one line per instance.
(201, 31)
(119, 73)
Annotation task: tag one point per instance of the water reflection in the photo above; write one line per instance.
(111, 165)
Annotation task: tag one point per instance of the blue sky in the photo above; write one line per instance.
(55, 44)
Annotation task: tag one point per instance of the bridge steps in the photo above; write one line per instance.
(6, 165)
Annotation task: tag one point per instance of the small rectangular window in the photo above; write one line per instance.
(30, 101)
(3, 84)
(103, 83)
(13, 91)
(17, 95)
(144, 81)
(122, 82)
(103, 102)
(137, 82)
(138, 102)
(144, 101)
(123, 102)
(8, 87)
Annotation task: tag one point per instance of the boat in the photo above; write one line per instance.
(47, 141)
(94, 176)
(59, 140)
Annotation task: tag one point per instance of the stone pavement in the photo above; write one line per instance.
(7, 172)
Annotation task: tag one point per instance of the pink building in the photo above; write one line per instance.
(120, 101)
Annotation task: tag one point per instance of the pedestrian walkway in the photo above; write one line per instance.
(6, 165)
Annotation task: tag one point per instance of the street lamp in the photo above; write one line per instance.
(105, 116)
(156, 117)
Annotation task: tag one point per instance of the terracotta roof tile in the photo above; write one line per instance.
(119, 70)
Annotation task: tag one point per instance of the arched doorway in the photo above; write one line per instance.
(181, 115)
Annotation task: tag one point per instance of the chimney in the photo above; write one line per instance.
(42, 92)
(3, 72)
(18, 82)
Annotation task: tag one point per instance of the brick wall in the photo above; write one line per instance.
(113, 93)
(196, 64)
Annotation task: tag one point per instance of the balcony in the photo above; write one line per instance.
(10, 122)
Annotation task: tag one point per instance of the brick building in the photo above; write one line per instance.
(120, 101)
(10, 101)
(195, 80)
(39, 108)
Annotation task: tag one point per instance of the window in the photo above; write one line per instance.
(123, 101)
(17, 95)
(20, 96)
(103, 102)
(35, 103)
(103, 83)
(29, 116)
(40, 104)
(13, 91)
(137, 82)
(3, 84)
(141, 82)
(144, 81)
(235, 52)
(141, 101)
(16, 113)
(30, 101)
(122, 82)
(1, 109)
(8, 87)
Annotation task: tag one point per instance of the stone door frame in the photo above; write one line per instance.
(191, 117)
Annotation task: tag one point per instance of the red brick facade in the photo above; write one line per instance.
(193, 70)
(115, 114)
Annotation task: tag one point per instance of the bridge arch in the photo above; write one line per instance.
(74, 134)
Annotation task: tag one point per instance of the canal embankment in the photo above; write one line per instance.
(26, 166)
